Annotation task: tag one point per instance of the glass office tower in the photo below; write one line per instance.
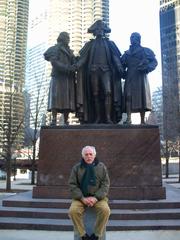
(13, 38)
(170, 49)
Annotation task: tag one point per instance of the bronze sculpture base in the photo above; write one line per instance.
(131, 153)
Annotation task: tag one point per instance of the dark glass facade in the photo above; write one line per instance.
(170, 53)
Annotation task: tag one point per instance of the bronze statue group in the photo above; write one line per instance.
(90, 84)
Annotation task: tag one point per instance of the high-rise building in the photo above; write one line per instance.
(156, 115)
(72, 16)
(170, 50)
(13, 38)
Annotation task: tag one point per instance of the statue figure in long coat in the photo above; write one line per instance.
(99, 92)
(62, 86)
(138, 61)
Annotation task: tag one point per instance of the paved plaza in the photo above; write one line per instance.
(61, 235)
(54, 235)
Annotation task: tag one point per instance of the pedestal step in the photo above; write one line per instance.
(24, 212)
(66, 225)
(116, 214)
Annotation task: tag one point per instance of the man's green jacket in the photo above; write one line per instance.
(101, 188)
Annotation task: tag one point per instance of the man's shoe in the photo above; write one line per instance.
(85, 237)
(94, 237)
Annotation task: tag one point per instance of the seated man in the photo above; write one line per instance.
(89, 185)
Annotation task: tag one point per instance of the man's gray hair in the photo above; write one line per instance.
(87, 147)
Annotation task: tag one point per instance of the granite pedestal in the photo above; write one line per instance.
(89, 221)
(131, 154)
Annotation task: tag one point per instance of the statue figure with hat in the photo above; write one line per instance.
(99, 91)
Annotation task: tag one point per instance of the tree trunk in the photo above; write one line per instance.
(33, 164)
(179, 161)
(167, 160)
(8, 172)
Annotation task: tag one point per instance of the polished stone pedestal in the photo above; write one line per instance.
(131, 154)
(89, 222)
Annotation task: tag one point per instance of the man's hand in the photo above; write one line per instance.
(85, 201)
(92, 201)
(89, 201)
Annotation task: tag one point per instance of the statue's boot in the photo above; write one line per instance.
(108, 109)
(128, 120)
(66, 114)
(128, 110)
(54, 118)
(142, 114)
(53, 122)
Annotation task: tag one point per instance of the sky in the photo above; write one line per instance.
(127, 16)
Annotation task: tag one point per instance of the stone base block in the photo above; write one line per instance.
(137, 193)
(89, 221)
(116, 193)
(131, 154)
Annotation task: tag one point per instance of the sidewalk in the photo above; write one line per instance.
(19, 184)
(122, 235)
(60, 235)
(16, 186)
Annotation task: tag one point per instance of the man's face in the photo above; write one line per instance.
(135, 39)
(99, 32)
(89, 156)
(65, 38)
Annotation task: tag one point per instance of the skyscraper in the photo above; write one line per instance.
(73, 16)
(170, 50)
(13, 37)
(156, 115)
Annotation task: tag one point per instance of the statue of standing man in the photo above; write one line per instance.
(62, 86)
(138, 61)
(99, 92)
